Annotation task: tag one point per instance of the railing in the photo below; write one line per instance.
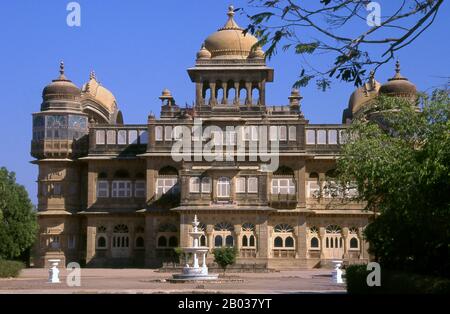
(118, 138)
(283, 253)
(246, 252)
(325, 135)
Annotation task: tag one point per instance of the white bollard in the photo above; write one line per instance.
(53, 272)
(337, 272)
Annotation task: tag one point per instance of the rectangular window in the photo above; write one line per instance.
(342, 136)
(143, 137)
(313, 189)
(111, 137)
(56, 189)
(164, 185)
(310, 137)
(223, 187)
(283, 186)
(254, 131)
(321, 137)
(332, 137)
(132, 136)
(217, 137)
(122, 137)
(100, 137)
(240, 185)
(102, 189)
(168, 133)
(246, 133)
(252, 185)
(273, 133)
(282, 133)
(158, 133)
(139, 188)
(194, 185)
(121, 189)
(292, 133)
(177, 132)
(206, 185)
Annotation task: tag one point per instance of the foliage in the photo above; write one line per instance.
(10, 268)
(225, 256)
(399, 160)
(339, 30)
(394, 282)
(18, 224)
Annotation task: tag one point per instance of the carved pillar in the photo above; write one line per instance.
(300, 179)
(213, 100)
(92, 185)
(344, 240)
(301, 247)
(151, 181)
(237, 232)
(262, 93)
(224, 100)
(90, 241)
(248, 87)
(236, 94)
(199, 100)
(263, 236)
(322, 242)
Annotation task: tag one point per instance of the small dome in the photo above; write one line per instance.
(99, 93)
(257, 54)
(229, 42)
(203, 53)
(166, 93)
(61, 87)
(398, 85)
(362, 95)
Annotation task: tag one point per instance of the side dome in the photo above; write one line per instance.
(61, 88)
(230, 42)
(203, 53)
(398, 85)
(99, 94)
(363, 95)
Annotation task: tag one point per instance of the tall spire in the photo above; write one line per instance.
(231, 23)
(92, 75)
(61, 77)
(398, 75)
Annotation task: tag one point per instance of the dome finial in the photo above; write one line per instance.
(92, 75)
(230, 11)
(397, 67)
(61, 68)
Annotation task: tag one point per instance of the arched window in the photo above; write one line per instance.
(223, 226)
(218, 241)
(314, 242)
(219, 95)
(289, 242)
(202, 240)
(333, 229)
(283, 228)
(252, 241)
(242, 96)
(101, 242)
(353, 243)
(278, 242)
(229, 241)
(173, 241)
(162, 241)
(139, 242)
(231, 94)
(244, 241)
(255, 96)
(158, 133)
(121, 228)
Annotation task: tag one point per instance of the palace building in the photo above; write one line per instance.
(112, 194)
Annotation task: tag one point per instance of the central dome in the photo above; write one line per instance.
(230, 42)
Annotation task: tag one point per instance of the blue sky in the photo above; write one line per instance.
(137, 48)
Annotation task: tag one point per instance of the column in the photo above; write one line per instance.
(344, 240)
(263, 239)
(199, 100)
(90, 245)
(225, 92)
(213, 100)
(237, 244)
(322, 242)
(262, 93)
(92, 188)
(248, 87)
(302, 248)
(209, 236)
(236, 94)
(301, 184)
(151, 176)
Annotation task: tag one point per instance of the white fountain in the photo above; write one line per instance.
(195, 272)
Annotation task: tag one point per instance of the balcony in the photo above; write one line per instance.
(283, 201)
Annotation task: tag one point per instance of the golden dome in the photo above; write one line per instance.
(100, 94)
(398, 85)
(364, 94)
(229, 42)
(61, 87)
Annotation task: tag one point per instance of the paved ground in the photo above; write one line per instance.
(150, 281)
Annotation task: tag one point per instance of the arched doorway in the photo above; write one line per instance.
(120, 242)
(334, 247)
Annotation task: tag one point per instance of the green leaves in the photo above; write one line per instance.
(400, 160)
(18, 224)
(306, 47)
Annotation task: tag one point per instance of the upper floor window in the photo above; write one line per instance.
(273, 133)
(158, 133)
(310, 137)
(321, 137)
(168, 133)
(139, 188)
(292, 133)
(122, 137)
(132, 137)
(283, 186)
(223, 187)
(143, 137)
(102, 188)
(121, 188)
(165, 185)
(110, 137)
(194, 185)
(282, 133)
(252, 185)
(332, 136)
(100, 137)
(240, 185)
(206, 185)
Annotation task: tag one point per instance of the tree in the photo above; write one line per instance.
(398, 158)
(225, 256)
(18, 224)
(353, 33)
